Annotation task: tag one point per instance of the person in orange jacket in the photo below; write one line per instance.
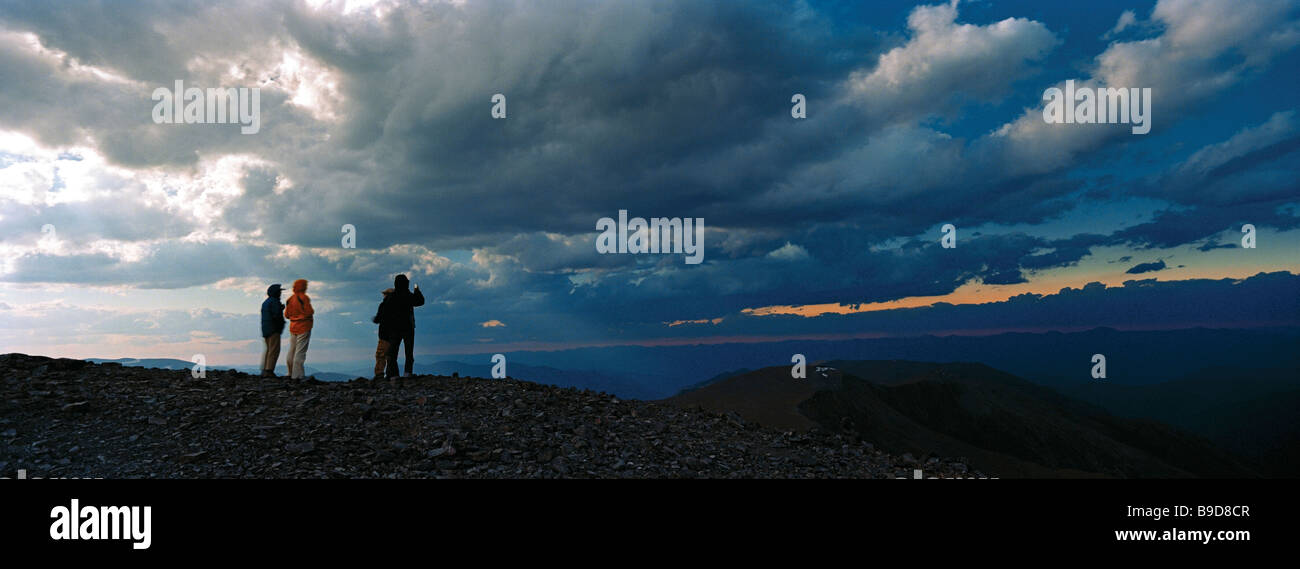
(299, 312)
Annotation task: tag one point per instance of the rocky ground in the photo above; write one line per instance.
(62, 418)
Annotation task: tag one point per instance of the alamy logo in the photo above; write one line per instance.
(74, 522)
(659, 235)
(1086, 105)
(240, 106)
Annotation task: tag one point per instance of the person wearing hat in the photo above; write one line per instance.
(382, 363)
(299, 312)
(272, 327)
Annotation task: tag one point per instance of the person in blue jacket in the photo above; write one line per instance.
(272, 327)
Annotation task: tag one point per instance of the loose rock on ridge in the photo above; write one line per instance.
(62, 418)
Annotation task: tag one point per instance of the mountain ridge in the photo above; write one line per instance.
(997, 421)
(73, 418)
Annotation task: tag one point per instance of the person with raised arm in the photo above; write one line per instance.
(400, 319)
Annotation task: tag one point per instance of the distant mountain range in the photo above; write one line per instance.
(998, 422)
(168, 363)
(630, 387)
(1049, 358)
(1054, 359)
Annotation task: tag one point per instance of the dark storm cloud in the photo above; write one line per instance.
(1202, 225)
(659, 108)
(79, 223)
(61, 95)
(1063, 252)
(146, 40)
(677, 109)
(637, 106)
(180, 264)
(1146, 268)
(838, 266)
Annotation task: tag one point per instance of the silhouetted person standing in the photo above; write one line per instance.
(272, 327)
(400, 319)
(385, 352)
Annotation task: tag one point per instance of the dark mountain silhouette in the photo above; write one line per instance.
(999, 422)
(717, 378)
(768, 396)
(1253, 412)
(1265, 430)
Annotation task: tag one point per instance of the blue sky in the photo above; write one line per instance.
(377, 115)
